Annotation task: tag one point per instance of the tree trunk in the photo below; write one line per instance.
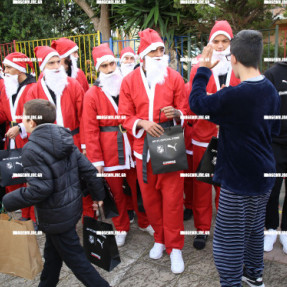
(103, 23)
(105, 26)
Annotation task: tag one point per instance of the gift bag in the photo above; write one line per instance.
(101, 249)
(167, 152)
(208, 162)
(11, 163)
(110, 207)
(126, 188)
(19, 252)
(140, 199)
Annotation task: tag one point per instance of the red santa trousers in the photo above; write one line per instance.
(202, 196)
(130, 205)
(188, 183)
(163, 203)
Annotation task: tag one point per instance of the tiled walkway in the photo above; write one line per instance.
(137, 270)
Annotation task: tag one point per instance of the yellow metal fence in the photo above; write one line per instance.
(85, 43)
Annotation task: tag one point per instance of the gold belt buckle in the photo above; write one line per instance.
(14, 123)
(121, 129)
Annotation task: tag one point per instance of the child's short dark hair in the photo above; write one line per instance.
(247, 47)
(40, 111)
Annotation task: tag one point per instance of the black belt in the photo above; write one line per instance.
(145, 149)
(120, 141)
(75, 131)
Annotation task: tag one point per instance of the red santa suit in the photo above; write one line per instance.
(65, 47)
(69, 105)
(203, 131)
(11, 112)
(108, 145)
(81, 78)
(163, 193)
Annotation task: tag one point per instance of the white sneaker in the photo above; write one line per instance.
(177, 264)
(148, 229)
(120, 239)
(283, 240)
(156, 251)
(269, 240)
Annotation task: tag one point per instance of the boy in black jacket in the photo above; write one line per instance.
(56, 193)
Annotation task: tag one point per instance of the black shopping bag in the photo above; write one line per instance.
(208, 162)
(140, 199)
(110, 207)
(101, 249)
(126, 188)
(167, 152)
(11, 164)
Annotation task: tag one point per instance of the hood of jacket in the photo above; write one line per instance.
(56, 140)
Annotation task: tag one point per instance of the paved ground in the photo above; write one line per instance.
(137, 270)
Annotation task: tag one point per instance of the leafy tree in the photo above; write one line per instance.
(27, 22)
(161, 15)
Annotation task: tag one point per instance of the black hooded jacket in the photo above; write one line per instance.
(57, 194)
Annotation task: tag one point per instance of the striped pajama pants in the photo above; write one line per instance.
(239, 236)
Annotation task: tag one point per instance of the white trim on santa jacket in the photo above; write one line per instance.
(202, 144)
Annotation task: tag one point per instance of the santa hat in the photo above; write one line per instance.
(149, 40)
(221, 28)
(18, 61)
(64, 47)
(44, 54)
(127, 51)
(102, 53)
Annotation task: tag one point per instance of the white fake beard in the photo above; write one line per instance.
(111, 83)
(11, 84)
(74, 67)
(56, 80)
(156, 69)
(224, 66)
(127, 68)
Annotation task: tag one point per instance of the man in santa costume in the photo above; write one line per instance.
(66, 93)
(149, 90)
(17, 84)
(127, 60)
(203, 130)
(108, 146)
(68, 51)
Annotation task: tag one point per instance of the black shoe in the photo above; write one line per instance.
(131, 215)
(187, 214)
(253, 282)
(199, 241)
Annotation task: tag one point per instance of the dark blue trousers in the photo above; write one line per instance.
(66, 247)
(239, 237)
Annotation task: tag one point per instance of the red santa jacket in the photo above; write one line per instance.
(69, 112)
(204, 130)
(100, 112)
(188, 130)
(1, 84)
(81, 78)
(14, 112)
(139, 102)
